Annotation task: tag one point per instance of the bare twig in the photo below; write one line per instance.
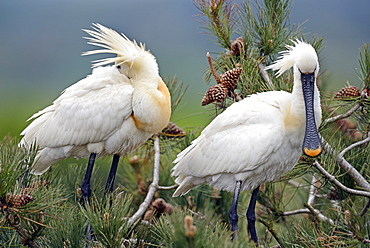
(153, 186)
(307, 211)
(167, 187)
(214, 73)
(332, 179)
(297, 211)
(199, 214)
(342, 116)
(313, 191)
(296, 184)
(311, 200)
(345, 165)
(265, 75)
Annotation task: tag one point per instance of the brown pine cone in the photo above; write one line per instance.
(230, 78)
(158, 207)
(35, 185)
(216, 93)
(237, 46)
(350, 91)
(172, 130)
(18, 200)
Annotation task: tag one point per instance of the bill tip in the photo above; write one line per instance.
(312, 152)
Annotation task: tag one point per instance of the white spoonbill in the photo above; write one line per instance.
(110, 112)
(258, 139)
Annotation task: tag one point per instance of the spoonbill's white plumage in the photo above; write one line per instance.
(110, 112)
(258, 139)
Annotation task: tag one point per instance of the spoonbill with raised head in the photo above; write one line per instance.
(257, 139)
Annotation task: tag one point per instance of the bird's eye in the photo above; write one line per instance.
(118, 67)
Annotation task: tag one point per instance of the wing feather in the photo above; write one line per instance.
(86, 112)
(240, 139)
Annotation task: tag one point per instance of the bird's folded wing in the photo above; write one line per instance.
(238, 140)
(86, 112)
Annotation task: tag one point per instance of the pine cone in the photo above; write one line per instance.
(35, 185)
(18, 200)
(335, 194)
(350, 91)
(237, 46)
(356, 135)
(216, 93)
(161, 206)
(172, 130)
(230, 78)
(158, 207)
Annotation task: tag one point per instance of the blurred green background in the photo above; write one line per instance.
(41, 45)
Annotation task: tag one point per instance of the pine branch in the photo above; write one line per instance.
(213, 70)
(167, 187)
(332, 179)
(342, 116)
(345, 165)
(313, 191)
(307, 211)
(297, 211)
(218, 19)
(265, 76)
(153, 186)
(28, 238)
(311, 200)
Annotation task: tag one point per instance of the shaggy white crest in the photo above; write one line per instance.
(293, 56)
(128, 52)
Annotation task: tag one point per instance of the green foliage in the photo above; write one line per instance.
(217, 18)
(265, 30)
(267, 24)
(67, 228)
(171, 231)
(108, 217)
(47, 210)
(364, 62)
(12, 157)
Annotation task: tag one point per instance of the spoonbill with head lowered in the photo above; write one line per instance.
(258, 139)
(110, 112)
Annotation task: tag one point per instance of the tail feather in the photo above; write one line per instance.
(185, 185)
(49, 156)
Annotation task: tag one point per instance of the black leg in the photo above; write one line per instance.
(85, 187)
(86, 192)
(251, 216)
(233, 213)
(112, 174)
